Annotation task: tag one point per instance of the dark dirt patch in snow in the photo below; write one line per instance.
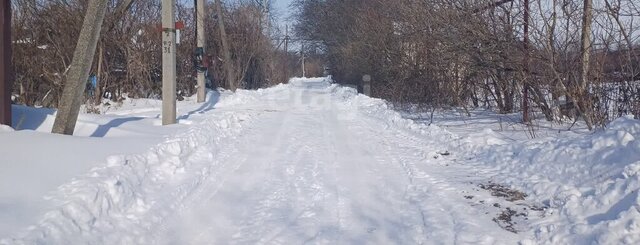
(445, 153)
(509, 218)
(440, 153)
(510, 211)
(502, 191)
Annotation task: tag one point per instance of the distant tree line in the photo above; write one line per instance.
(128, 57)
(460, 53)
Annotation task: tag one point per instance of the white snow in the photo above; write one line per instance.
(313, 162)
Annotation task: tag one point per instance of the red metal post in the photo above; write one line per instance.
(6, 69)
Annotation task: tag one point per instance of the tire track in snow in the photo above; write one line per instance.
(384, 159)
(366, 177)
(305, 189)
(179, 229)
(292, 180)
(309, 174)
(435, 193)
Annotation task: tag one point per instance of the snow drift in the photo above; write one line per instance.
(590, 184)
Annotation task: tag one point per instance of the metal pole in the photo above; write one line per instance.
(168, 62)
(200, 37)
(6, 70)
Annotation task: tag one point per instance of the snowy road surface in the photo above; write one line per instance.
(309, 171)
(298, 163)
(313, 162)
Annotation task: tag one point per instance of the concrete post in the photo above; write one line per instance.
(366, 85)
(78, 74)
(168, 62)
(200, 36)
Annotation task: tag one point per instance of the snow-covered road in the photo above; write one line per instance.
(307, 162)
(313, 162)
(312, 170)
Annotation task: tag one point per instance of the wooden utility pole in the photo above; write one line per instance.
(6, 69)
(228, 66)
(200, 37)
(168, 62)
(78, 74)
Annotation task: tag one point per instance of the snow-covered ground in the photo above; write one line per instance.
(312, 162)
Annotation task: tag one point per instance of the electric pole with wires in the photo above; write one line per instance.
(168, 62)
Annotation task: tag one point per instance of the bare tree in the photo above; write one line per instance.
(585, 51)
(457, 54)
(228, 66)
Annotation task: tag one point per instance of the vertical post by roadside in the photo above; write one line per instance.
(200, 36)
(168, 62)
(304, 70)
(366, 85)
(6, 69)
(78, 72)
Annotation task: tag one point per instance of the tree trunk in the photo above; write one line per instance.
(78, 75)
(585, 104)
(98, 94)
(228, 65)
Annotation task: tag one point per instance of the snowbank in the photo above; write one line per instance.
(591, 182)
(101, 194)
(379, 109)
(113, 198)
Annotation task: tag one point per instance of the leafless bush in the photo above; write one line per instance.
(128, 57)
(471, 53)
